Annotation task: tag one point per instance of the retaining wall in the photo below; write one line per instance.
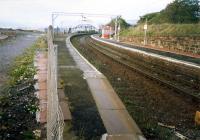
(184, 44)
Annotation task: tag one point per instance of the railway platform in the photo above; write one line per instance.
(117, 121)
(188, 60)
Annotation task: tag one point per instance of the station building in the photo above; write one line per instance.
(107, 32)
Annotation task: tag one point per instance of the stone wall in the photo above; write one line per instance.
(185, 44)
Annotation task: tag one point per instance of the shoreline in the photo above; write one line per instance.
(3, 37)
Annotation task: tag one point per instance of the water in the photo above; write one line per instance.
(11, 48)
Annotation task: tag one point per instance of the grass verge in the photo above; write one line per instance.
(18, 104)
(176, 30)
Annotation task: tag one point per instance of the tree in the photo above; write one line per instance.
(148, 16)
(179, 11)
(123, 23)
(182, 11)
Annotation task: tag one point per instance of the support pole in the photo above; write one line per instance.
(118, 32)
(116, 27)
(110, 33)
(145, 33)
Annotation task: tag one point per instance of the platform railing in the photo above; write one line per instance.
(55, 119)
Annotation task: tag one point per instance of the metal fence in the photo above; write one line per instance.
(55, 120)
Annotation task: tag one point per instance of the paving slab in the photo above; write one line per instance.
(63, 101)
(123, 137)
(104, 94)
(43, 94)
(65, 110)
(41, 85)
(119, 122)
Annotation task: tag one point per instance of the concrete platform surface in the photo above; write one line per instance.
(123, 137)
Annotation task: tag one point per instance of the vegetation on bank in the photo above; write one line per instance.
(18, 103)
(123, 24)
(180, 18)
(177, 30)
(179, 11)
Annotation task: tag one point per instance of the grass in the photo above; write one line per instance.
(177, 30)
(64, 57)
(67, 133)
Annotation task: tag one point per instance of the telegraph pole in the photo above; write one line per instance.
(53, 17)
(52, 20)
(52, 23)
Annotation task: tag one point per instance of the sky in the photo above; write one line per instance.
(37, 13)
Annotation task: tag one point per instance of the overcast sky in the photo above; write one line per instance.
(37, 13)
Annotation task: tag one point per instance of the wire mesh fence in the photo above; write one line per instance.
(55, 119)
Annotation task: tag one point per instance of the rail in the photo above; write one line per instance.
(55, 119)
(169, 83)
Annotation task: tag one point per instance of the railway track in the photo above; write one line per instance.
(148, 101)
(189, 80)
(187, 86)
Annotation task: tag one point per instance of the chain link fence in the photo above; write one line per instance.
(55, 119)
